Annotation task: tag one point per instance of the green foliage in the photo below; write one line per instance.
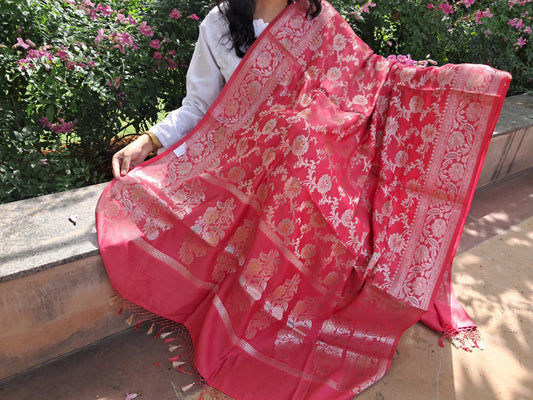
(465, 31)
(73, 74)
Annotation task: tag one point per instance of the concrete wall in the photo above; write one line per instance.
(53, 312)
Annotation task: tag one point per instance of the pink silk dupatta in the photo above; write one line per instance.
(311, 217)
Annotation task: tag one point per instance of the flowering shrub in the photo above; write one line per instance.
(74, 74)
(493, 32)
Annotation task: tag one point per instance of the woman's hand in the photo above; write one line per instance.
(131, 155)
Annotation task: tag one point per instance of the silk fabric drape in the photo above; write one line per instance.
(311, 216)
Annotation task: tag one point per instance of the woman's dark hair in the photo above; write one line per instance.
(240, 14)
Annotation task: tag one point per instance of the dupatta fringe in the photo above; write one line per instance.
(174, 334)
(466, 338)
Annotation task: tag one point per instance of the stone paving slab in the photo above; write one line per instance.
(498, 207)
(130, 362)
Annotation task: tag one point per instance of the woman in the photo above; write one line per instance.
(311, 215)
(225, 36)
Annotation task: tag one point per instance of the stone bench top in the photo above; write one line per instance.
(517, 113)
(37, 233)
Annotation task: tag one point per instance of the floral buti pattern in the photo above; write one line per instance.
(322, 169)
(316, 152)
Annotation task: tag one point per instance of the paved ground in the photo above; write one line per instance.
(493, 279)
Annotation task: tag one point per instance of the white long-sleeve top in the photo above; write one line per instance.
(212, 64)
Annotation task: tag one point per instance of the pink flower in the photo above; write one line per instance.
(145, 29)
(366, 8)
(175, 14)
(115, 83)
(100, 35)
(20, 43)
(157, 55)
(194, 16)
(170, 64)
(131, 20)
(481, 14)
(406, 60)
(430, 6)
(92, 14)
(155, 44)
(62, 54)
(446, 8)
(44, 122)
(67, 127)
(468, 3)
(105, 10)
(25, 64)
(521, 42)
(122, 39)
(120, 18)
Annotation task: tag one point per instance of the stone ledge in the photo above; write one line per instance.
(38, 235)
(54, 290)
(517, 113)
(511, 147)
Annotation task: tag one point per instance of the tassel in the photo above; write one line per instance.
(166, 334)
(173, 348)
(177, 364)
(187, 387)
(180, 369)
(463, 338)
(151, 330)
(171, 339)
(129, 321)
(174, 358)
